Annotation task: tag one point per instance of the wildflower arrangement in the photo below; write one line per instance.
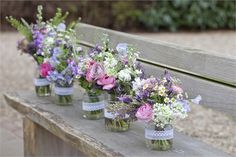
(37, 37)
(34, 33)
(157, 101)
(61, 44)
(163, 101)
(106, 69)
(109, 69)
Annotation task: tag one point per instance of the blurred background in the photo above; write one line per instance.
(176, 15)
(197, 24)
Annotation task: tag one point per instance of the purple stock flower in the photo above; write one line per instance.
(125, 99)
(73, 67)
(38, 40)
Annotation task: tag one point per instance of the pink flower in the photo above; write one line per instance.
(95, 71)
(177, 89)
(144, 113)
(108, 82)
(45, 68)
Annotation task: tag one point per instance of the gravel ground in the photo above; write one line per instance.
(212, 127)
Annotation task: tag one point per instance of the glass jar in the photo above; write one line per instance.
(63, 95)
(115, 122)
(158, 138)
(42, 85)
(93, 106)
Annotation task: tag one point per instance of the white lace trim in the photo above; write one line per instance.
(112, 116)
(159, 135)
(41, 82)
(94, 106)
(63, 90)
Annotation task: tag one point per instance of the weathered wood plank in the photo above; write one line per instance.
(91, 137)
(29, 130)
(40, 142)
(191, 60)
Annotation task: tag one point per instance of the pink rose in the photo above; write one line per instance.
(95, 71)
(144, 113)
(45, 68)
(108, 82)
(177, 89)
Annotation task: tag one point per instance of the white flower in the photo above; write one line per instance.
(145, 86)
(156, 87)
(124, 75)
(137, 84)
(110, 61)
(166, 100)
(49, 40)
(161, 90)
(138, 72)
(162, 114)
(79, 49)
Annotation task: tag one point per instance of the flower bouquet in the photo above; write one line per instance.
(115, 75)
(32, 44)
(89, 74)
(163, 101)
(61, 44)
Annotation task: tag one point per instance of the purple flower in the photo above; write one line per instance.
(61, 27)
(122, 49)
(74, 67)
(52, 76)
(125, 99)
(94, 51)
(38, 40)
(56, 51)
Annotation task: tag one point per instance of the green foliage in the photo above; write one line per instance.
(179, 14)
(59, 17)
(39, 59)
(39, 14)
(22, 27)
(71, 25)
(126, 14)
(89, 87)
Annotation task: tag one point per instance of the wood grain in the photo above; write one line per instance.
(192, 60)
(90, 136)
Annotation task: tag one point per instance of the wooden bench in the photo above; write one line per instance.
(213, 77)
(51, 130)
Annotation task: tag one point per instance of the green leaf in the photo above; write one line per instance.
(22, 28)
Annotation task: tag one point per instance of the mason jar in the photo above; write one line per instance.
(42, 85)
(158, 138)
(63, 95)
(114, 121)
(93, 105)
